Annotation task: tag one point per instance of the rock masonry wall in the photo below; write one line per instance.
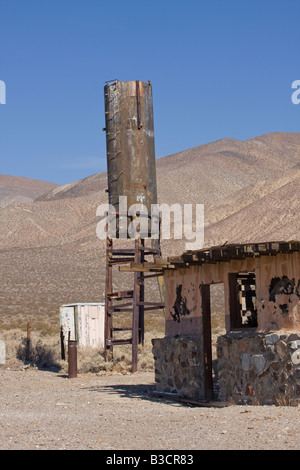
(253, 368)
(259, 369)
(179, 365)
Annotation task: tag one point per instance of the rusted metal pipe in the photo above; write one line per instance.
(62, 344)
(72, 359)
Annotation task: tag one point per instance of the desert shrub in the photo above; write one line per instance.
(37, 354)
(43, 349)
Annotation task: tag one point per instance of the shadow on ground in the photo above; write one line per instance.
(139, 391)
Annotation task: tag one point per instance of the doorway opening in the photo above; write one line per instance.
(213, 311)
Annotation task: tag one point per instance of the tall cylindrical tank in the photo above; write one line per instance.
(130, 143)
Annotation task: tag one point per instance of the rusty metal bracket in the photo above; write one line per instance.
(138, 99)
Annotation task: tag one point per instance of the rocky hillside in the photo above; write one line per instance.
(16, 189)
(49, 251)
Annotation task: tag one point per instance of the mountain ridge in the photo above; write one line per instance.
(49, 251)
(19, 189)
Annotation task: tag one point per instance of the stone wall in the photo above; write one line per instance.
(179, 365)
(253, 368)
(259, 369)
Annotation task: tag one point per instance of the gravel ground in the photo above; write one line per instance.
(45, 410)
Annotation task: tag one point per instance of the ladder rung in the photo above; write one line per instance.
(115, 342)
(155, 307)
(151, 304)
(120, 260)
(121, 329)
(117, 309)
(126, 294)
(122, 251)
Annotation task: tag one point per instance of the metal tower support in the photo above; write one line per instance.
(131, 301)
(131, 173)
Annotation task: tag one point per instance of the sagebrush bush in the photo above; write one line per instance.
(43, 351)
(37, 354)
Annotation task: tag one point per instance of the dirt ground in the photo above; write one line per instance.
(46, 410)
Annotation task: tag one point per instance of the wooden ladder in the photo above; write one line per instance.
(132, 301)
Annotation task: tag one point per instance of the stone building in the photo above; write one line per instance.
(258, 358)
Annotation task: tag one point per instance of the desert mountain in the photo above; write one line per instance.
(49, 251)
(17, 189)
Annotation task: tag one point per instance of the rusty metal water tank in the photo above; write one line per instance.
(130, 143)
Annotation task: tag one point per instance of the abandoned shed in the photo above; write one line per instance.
(258, 358)
(82, 322)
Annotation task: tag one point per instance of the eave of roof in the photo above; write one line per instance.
(216, 254)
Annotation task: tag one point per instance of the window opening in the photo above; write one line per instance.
(243, 311)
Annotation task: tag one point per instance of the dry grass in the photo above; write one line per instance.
(43, 348)
(44, 351)
(41, 351)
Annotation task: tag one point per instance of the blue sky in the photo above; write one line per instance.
(218, 68)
